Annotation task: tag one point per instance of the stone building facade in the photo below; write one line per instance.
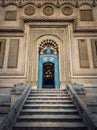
(60, 32)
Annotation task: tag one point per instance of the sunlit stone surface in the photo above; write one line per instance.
(37, 33)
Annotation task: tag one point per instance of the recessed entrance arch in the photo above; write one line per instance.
(48, 65)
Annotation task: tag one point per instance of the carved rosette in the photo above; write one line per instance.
(29, 10)
(67, 10)
(48, 10)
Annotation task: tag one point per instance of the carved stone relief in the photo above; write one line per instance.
(48, 10)
(83, 53)
(86, 15)
(13, 53)
(48, 46)
(10, 15)
(2, 51)
(67, 10)
(94, 51)
(29, 10)
(38, 32)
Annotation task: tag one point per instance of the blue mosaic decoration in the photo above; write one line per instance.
(48, 51)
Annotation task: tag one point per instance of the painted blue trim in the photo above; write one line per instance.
(48, 51)
(40, 73)
(48, 58)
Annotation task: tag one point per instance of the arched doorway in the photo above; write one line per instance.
(48, 75)
(48, 65)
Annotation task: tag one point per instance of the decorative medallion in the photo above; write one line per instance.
(67, 10)
(10, 15)
(48, 10)
(29, 10)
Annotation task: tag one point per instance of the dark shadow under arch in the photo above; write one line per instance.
(48, 75)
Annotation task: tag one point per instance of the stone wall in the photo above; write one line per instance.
(22, 26)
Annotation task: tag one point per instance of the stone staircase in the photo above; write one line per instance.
(49, 109)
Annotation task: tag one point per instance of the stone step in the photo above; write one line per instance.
(50, 106)
(49, 126)
(49, 101)
(48, 95)
(48, 111)
(49, 118)
(49, 92)
(48, 98)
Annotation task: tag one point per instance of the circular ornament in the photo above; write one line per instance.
(29, 10)
(67, 10)
(48, 10)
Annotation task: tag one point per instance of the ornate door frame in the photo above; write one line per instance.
(61, 35)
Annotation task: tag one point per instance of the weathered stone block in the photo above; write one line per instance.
(80, 91)
(5, 104)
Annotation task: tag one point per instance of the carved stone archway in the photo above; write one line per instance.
(48, 53)
(45, 34)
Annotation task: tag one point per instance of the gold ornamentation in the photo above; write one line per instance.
(49, 45)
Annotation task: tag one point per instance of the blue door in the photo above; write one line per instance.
(48, 71)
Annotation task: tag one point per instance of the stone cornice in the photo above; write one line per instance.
(86, 29)
(11, 34)
(15, 30)
(40, 3)
(49, 22)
